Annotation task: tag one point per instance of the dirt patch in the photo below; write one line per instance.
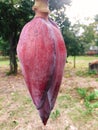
(17, 111)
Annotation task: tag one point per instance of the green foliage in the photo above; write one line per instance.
(96, 79)
(90, 98)
(89, 36)
(96, 18)
(4, 47)
(97, 42)
(89, 33)
(92, 72)
(82, 92)
(55, 114)
(86, 72)
(13, 15)
(72, 42)
(57, 5)
(96, 28)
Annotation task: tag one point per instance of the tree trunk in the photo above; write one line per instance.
(74, 61)
(12, 55)
(12, 2)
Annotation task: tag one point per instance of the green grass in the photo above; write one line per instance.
(90, 98)
(80, 105)
(86, 72)
(86, 58)
(4, 61)
(79, 59)
(82, 66)
(19, 106)
(82, 61)
(97, 79)
(55, 114)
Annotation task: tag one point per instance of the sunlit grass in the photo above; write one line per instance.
(81, 61)
(82, 66)
(87, 58)
(4, 61)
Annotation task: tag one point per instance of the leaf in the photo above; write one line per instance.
(96, 93)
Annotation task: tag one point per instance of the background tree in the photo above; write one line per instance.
(4, 47)
(96, 30)
(57, 5)
(72, 41)
(89, 36)
(12, 18)
(13, 15)
(73, 44)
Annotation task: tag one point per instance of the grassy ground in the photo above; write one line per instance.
(76, 106)
(4, 61)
